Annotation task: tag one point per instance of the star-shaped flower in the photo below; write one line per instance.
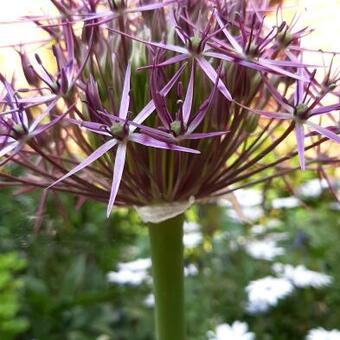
(120, 132)
(302, 108)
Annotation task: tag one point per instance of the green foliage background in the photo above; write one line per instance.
(53, 283)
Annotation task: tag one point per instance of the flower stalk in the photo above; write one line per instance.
(166, 241)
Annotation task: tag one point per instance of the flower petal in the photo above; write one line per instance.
(218, 55)
(173, 60)
(155, 143)
(149, 7)
(37, 120)
(117, 175)
(169, 47)
(268, 114)
(205, 135)
(43, 127)
(188, 98)
(91, 126)
(229, 36)
(277, 95)
(212, 75)
(8, 148)
(325, 109)
(125, 99)
(299, 92)
(90, 159)
(300, 136)
(281, 71)
(323, 131)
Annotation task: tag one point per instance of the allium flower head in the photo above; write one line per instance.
(164, 102)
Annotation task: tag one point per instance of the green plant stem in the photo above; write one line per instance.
(166, 239)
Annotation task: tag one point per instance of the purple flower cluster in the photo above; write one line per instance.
(162, 101)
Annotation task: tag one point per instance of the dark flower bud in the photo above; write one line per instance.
(38, 59)
(58, 55)
(64, 82)
(28, 70)
(92, 95)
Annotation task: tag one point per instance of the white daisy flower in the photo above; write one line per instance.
(248, 200)
(334, 206)
(285, 202)
(237, 331)
(137, 265)
(313, 188)
(192, 240)
(131, 273)
(323, 334)
(302, 277)
(250, 213)
(190, 270)
(266, 292)
(190, 227)
(248, 197)
(149, 301)
(127, 277)
(263, 249)
(258, 229)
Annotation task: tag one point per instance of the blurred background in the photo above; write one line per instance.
(273, 262)
(321, 15)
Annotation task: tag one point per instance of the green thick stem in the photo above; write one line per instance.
(166, 239)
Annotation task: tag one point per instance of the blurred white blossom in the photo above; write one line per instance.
(258, 229)
(248, 197)
(149, 301)
(126, 277)
(323, 334)
(190, 270)
(131, 273)
(190, 227)
(249, 201)
(192, 239)
(237, 331)
(137, 265)
(263, 249)
(103, 337)
(250, 213)
(301, 277)
(312, 188)
(285, 202)
(334, 205)
(136, 272)
(266, 292)
(273, 223)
